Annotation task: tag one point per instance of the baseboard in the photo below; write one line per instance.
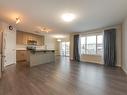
(9, 64)
(124, 70)
(118, 65)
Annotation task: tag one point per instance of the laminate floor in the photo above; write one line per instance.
(64, 77)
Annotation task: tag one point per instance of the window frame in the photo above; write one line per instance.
(96, 44)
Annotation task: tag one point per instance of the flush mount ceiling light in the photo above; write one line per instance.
(59, 40)
(68, 17)
(18, 20)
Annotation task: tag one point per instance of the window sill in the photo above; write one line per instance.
(91, 55)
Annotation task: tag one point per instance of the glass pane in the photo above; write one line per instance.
(83, 41)
(65, 48)
(100, 39)
(100, 44)
(91, 45)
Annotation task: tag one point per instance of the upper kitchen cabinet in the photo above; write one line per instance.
(23, 37)
(19, 36)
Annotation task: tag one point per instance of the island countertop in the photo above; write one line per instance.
(43, 50)
(37, 57)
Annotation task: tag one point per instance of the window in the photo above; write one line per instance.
(83, 45)
(92, 44)
(99, 44)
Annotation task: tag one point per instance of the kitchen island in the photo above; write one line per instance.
(37, 57)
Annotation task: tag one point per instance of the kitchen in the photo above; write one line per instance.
(18, 46)
(30, 48)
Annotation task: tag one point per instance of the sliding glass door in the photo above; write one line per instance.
(65, 48)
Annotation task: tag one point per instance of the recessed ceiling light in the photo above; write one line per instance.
(68, 17)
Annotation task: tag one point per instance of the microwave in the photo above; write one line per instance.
(31, 42)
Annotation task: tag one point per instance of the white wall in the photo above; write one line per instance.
(49, 42)
(124, 46)
(57, 48)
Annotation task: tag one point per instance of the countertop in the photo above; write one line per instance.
(38, 50)
(43, 50)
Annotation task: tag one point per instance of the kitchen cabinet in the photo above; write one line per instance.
(19, 36)
(21, 55)
(23, 37)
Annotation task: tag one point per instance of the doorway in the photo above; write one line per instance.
(65, 49)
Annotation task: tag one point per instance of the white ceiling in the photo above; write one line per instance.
(91, 14)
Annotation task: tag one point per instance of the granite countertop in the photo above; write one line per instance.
(38, 50)
(42, 50)
(21, 49)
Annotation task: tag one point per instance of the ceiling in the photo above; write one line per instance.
(90, 14)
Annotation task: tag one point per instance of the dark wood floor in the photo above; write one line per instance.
(63, 78)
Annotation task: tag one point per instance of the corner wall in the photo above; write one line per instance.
(124, 46)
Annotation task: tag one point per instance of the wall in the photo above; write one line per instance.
(57, 48)
(124, 46)
(0, 67)
(0, 50)
(49, 42)
(98, 59)
(71, 46)
(92, 58)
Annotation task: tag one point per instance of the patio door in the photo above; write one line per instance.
(65, 48)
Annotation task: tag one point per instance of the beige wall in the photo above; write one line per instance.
(0, 49)
(57, 47)
(71, 45)
(124, 46)
(0, 67)
(49, 42)
(96, 58)
(92, 58)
